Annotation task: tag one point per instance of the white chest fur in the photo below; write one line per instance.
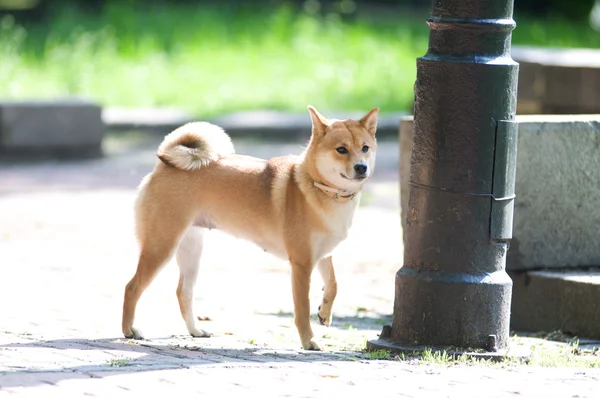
(338, 221)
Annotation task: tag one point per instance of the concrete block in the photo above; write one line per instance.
(557, 208)
(549, 301)
(70, 127)
(558, 80)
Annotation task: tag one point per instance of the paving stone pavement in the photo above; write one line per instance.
(67, 249)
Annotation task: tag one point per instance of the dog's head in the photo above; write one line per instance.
(343, 151)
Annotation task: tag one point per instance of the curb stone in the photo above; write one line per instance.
(259, 124)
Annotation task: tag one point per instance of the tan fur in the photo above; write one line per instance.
(201, 184)
(195, 145)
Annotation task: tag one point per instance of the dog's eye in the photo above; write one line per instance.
(365, 148)
(342, 150)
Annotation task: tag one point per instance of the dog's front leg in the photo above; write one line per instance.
(329, 291)
(300, 288)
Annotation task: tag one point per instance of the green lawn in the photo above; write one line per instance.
(214, 60)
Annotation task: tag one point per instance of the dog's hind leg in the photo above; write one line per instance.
(188, 258)
(327, 272)
(157, 245)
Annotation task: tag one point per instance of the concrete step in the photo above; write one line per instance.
(548, 301)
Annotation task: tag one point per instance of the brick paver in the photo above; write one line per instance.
(67, 246)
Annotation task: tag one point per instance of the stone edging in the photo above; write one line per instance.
(257, 124)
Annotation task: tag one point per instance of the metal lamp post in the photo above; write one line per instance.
(453, 289)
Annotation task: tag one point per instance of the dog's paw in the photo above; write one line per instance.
(326, 321)
(325, 317)
(133, 334)
(312, 345)
(200, 333)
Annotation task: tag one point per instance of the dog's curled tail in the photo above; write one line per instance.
(194, 145)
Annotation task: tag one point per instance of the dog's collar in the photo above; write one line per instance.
(339, 195)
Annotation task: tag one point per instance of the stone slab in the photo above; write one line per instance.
(567, 57)
(557, 208)
(558, 80)
(549, 301)
(72, 127)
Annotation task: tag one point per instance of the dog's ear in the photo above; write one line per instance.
(369, 121)
(319, 122)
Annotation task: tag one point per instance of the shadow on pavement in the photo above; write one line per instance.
(151, 355)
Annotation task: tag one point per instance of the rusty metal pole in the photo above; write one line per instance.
(453, 289)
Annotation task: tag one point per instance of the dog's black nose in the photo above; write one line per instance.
(360, 168)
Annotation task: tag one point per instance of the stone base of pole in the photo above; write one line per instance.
(511, 353)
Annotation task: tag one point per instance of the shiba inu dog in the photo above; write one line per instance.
(296, 207)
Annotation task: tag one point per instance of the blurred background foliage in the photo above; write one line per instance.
(214, 57)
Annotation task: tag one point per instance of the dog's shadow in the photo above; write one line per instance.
(147, 355)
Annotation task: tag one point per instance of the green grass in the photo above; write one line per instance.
(379, 354)
(117, 363)
(543, 354)
(212, 60)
